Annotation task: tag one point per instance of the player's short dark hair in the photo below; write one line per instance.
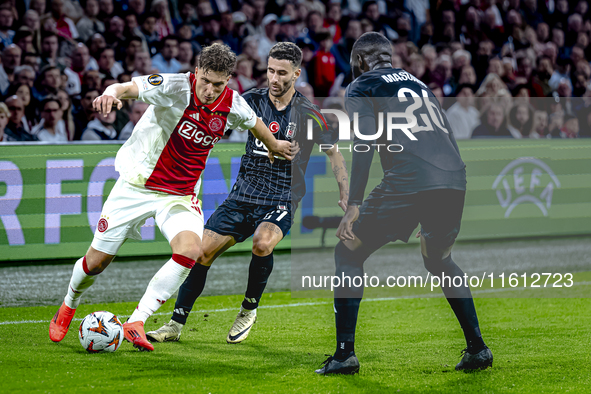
(218, 58)
(372, 45)
(287, 51)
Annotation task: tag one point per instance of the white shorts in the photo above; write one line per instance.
(128, 207)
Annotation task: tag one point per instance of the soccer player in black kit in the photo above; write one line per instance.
(260, 203)
(425, 183)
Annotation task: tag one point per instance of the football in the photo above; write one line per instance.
(100, 332)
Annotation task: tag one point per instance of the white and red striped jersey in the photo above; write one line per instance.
(170, 144)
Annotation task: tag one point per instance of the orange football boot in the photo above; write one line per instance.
(59, 325)
(134, 333)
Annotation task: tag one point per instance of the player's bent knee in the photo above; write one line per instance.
(193, 252)
(187, 244)
(436, 264)
(347, 257)
(189, 249)
(97, 261)
(205, 259)
(262, 247)
(437, 250)
(96, 268)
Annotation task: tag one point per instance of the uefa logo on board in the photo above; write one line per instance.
(526, 180)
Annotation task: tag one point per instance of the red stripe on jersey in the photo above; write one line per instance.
(183, 158)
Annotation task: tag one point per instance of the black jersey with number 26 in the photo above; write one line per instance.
(429, 158)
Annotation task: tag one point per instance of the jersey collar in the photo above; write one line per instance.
(213, 106)
(287, 107)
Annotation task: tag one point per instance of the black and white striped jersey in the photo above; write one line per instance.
(262, 182)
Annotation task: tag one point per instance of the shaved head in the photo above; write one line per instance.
(370, 50)
(372, 43)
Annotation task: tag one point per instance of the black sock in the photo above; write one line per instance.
(349, 264)
(461, 301)
(347, 310)
(258, 273)
(189, 291)
(344, 348)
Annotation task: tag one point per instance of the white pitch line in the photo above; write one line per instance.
(168, 313)
(312, 303)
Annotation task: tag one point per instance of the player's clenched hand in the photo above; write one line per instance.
(283, 149)
(103, 104)
(295, 148)
(345, 230)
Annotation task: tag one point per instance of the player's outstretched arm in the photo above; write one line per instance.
(339, 169)
(112, 95)
(274, 146)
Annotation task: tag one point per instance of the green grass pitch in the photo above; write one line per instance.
(540, 345)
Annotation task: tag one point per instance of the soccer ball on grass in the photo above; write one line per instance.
(100, 332)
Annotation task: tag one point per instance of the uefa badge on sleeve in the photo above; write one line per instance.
(155, 79)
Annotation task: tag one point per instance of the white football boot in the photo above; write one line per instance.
(169, 332)
(242, 325)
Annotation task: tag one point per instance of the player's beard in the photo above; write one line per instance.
(284, 88)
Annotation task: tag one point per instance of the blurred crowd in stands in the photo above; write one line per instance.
(490, 62)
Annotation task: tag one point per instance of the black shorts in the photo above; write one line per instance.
(240, 219)
(386, 218)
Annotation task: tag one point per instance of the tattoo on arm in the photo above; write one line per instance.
(339, 169)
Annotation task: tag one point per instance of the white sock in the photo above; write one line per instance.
(79, 282)
(163, 285)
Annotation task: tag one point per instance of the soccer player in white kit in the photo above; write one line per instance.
(160, 168)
